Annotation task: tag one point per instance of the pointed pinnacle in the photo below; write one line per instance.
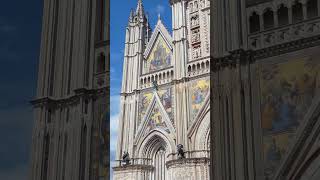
(131, 15)
(140, 10)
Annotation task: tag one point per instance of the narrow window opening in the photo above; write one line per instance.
(283, 18)
(297, 12)
(101, 63)
(254, 23)
(268, 19)
(86, 106)
(312, 8)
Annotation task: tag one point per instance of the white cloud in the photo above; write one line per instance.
(114, 123)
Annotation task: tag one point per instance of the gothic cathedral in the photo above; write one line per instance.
(164, 124)
(70, 137)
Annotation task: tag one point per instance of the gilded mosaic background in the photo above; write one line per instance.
(166, 100)
(144, 101)
(156, 120)
(160, 56)
(199, 91)
(165, 95)
(287, 90)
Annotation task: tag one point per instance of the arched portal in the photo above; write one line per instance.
(157, 150)
(156, 147)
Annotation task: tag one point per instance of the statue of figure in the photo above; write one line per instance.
(155, 85)
(126, 158)
(180, 151)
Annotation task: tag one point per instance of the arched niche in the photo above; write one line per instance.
(156, 147)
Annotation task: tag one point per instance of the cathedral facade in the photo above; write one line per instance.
(165, 97)
(70, 136)
(265, 81)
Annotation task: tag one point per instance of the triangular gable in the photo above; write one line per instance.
(158, 54)
(155, 118)
(160, 30)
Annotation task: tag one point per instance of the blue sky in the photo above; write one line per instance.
(119, 14)
(20, 31)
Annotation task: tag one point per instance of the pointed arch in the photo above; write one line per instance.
(200, 134)
(143, 129)
(147, 146)
(156, 146)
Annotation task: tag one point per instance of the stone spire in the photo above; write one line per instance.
(131, 16)
(140, 10)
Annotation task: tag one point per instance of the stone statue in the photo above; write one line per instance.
(155, 85)
(180, 151)
(126, 158)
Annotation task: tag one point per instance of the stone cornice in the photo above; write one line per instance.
(136, 91)
(156, 71)
(178, 81)
(81, 92)
(175, 1)
(287, 47)
(234, 58)
(187, 161)
(241, 56)
(133, 167)
(103, 43)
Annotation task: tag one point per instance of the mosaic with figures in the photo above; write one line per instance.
(156, 120)
(165, 96)
(145, 100)
(287, 90)
(160, 56)
(199, 91)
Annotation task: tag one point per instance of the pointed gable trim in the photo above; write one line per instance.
(200, 116)
(303, 147)
(143, 126)
(160, 30)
